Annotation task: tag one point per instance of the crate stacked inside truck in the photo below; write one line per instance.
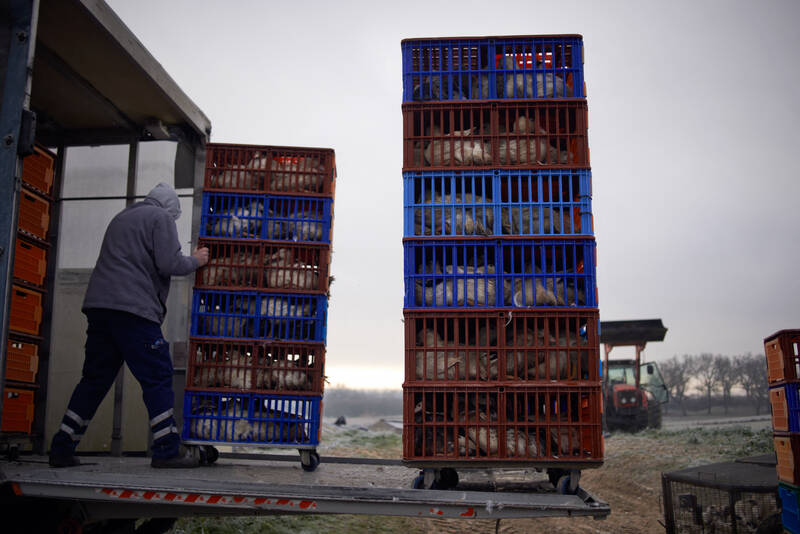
(257, 347)
(782, 351)
(501, 318)
(28, 291)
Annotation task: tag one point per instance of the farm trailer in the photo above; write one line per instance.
(60, 59)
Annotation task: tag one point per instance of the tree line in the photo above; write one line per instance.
(714, 377)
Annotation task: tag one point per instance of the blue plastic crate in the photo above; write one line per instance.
(558, 272)
(448, 203)
(257, 315)
(232, 215)
(493, 273)
(785, 401)
(270, 217)
(295, 218)
(251, 419)
(790, 514)
(483, 68)
(519, 202)
(451, 274)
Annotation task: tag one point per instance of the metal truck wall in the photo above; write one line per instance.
(91, 173)
(69, 328)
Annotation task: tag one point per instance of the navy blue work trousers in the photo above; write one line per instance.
(114, 337)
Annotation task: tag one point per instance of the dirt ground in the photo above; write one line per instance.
(629, 481)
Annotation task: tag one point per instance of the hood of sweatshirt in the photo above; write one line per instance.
(164, 195)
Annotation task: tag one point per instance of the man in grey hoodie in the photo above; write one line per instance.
(125, 305)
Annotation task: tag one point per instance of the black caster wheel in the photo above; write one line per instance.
(309, 460)
(554, 474)
(211, 454)
(447, 479)
(568, 483)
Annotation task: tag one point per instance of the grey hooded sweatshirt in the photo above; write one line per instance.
(139, 255)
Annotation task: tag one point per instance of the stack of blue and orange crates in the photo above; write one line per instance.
(500, 311)
(28, 292)
(259, 314)
(782, 350)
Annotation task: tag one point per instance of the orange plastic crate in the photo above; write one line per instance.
(787, 451)
(534, 425)
(22, 361)
(26, 310)
(34, 214)
(18, 410)
(38, 170)
(780, 410)
(783, 355)
(237, 365)
(30, 262)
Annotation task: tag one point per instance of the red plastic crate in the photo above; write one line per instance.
(498, 135)
(232, 264)
(22, 361)
(494, 348)
(280, 367)
(30, 262)
(34, 214)
(296, 268)
(535, 425)
(18, 407)
(270, 169)
(782, 350)
(26, 310)
(38, 170)
(787, 452)
(249, 264)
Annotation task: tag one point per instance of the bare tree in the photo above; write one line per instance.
(676, 373)
(708, 376)
(753, 378)
(727, 376)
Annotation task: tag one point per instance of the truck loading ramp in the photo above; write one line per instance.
(238, 484)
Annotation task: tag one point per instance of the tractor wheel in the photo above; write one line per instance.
(641, 421)
(654, 416)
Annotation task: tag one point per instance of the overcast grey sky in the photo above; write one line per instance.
(693, 116)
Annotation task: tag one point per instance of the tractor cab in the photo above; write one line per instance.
(632, 391)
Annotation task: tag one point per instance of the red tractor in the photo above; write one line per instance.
(633, 392)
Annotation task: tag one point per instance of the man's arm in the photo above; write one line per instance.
(167, 254)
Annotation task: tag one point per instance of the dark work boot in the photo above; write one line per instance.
(62, 451)
(57, 460)
(187, 457)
